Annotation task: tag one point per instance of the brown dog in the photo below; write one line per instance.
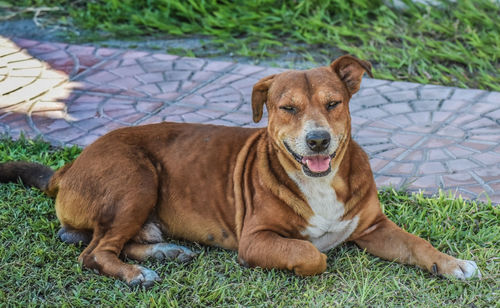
(278, 195)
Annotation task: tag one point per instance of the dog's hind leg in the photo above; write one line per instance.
(116, 224)
(150, 243)
(102, 253)
(159, 251)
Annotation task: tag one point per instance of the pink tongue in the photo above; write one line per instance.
(317, 163)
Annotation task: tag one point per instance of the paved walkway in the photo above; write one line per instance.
(418, 136)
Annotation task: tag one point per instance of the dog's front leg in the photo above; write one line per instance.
(386, 240)
(268, 249)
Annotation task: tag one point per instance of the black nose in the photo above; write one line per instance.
(318, 140)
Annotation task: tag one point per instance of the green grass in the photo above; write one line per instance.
(36, 269)
(452, 44)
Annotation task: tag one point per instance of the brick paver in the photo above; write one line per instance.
(419, 137)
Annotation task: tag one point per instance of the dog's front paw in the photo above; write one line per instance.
(456, 268)
(312, 266)
(146, 278)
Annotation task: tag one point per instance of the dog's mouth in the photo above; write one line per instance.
(313, 165)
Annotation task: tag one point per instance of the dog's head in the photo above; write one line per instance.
(309, 111)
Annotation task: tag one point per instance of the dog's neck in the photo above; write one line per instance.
(273, 175)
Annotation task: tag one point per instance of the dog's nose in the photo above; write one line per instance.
(318, 140)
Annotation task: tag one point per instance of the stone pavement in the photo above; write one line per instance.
(419, 137)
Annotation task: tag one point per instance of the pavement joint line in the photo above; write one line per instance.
(450, 95)
(481, 182)
(12, 91)
(77, 125)
(76, 61)
(449, 153)
(17, 61)
(179, 86)
(160, 89)
(100, 108)
(213, 108)
(440, 181)
(440, 104)
(29, 120)
(469, 192)
(479, 163)
(11, 53)
(205, 63)
(382, 151)
(97, 65)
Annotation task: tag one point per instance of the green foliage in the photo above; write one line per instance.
(36, 269)
(455, 43)
(36, 151)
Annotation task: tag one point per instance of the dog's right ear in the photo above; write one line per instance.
(259, 96)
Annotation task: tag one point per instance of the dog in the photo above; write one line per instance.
(280, 196)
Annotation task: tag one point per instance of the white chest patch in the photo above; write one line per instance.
(326, 229)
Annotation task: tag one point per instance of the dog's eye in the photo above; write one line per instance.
(332, 105)
(289, 109)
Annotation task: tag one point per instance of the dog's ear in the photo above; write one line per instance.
(259, 96)
(351, 70)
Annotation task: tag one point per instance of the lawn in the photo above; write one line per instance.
(454, 43)
(36, 269)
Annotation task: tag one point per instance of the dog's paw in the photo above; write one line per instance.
(146, 278)
(466, 269)
(312, 266)
(460, 269)
(76, 237)
(167, 252)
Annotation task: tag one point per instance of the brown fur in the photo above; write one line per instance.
(229, 186)
(31, 174)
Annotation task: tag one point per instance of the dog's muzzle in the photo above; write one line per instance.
(314, 165)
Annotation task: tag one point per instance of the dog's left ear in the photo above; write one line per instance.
(259, 96)
(350, 70)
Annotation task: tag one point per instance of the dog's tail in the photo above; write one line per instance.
(31, 174)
